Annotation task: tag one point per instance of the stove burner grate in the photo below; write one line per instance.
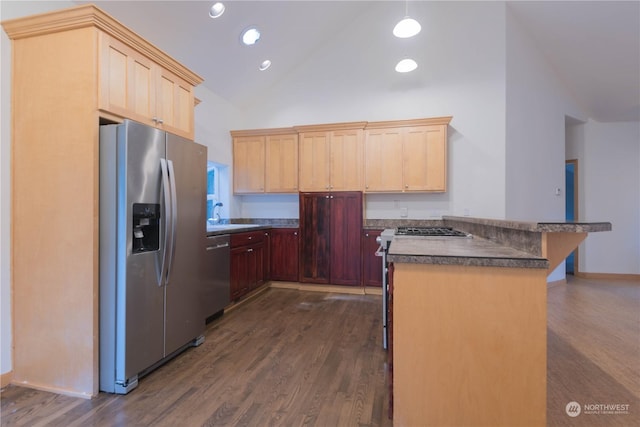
(429, 231)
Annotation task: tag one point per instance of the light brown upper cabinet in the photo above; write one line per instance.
(394, 156)
(331, 157)
(281, 163)
(248, 164)
(383, 159)
(404, 156)
(135, 87)
(265, 162)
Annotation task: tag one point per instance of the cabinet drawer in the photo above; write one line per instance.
(243, 239)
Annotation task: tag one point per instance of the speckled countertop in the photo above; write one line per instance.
(534, 226)
(215, 230)
(249, 224)
(474, 251)
(496, 243)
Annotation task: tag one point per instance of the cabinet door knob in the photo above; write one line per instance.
(249, 250)
(406, 186)
(295, 233)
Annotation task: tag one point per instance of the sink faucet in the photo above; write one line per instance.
(216, 214)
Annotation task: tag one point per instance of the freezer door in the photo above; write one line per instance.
(140, 294)
(184, 318)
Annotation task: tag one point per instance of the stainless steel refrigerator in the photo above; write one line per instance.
(152, 233)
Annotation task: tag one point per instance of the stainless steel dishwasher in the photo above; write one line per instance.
(217, 275)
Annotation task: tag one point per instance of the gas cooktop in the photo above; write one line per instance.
(430, 232)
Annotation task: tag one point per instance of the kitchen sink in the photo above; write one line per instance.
(217, 227)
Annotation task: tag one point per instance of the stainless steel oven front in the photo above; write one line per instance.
(384, 240)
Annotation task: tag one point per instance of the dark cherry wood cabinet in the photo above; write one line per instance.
(346, 226)
(330, 227)
(315, 235)
(248, 262)
(284, 248)
(371, 264)
(266, 259)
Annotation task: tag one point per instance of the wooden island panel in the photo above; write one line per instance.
(557, 246)
(469, 345)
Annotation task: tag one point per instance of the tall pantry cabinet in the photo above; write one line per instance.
(330, 228)
(72, 70)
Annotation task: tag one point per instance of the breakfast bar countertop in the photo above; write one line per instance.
(496, 243)
(474, 251)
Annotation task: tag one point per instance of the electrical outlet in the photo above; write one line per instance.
(404, 212)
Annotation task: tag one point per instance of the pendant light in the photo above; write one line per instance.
(407, 27)
(406, 65)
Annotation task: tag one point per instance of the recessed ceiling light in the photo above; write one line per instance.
(250, 36)
(406, 65)
(216, 10)
(264, 65)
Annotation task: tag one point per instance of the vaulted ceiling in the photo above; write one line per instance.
(593, 46)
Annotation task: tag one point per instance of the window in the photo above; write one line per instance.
(213, 188)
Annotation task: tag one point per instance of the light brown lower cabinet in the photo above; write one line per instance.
(469, 345)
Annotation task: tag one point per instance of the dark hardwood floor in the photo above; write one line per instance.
(290, 358)
(285, 358)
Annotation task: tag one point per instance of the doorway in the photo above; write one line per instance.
(571, 207)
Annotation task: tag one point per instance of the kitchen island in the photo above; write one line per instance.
(469, 319)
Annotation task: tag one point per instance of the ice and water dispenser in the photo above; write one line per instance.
(146, 227)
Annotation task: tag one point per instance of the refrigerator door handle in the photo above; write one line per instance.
(174, 217)
(167, 203)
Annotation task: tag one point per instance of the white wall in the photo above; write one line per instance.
(536, 107)
(457, 75)
(609, 190)
(214, 118)
(538, 142)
